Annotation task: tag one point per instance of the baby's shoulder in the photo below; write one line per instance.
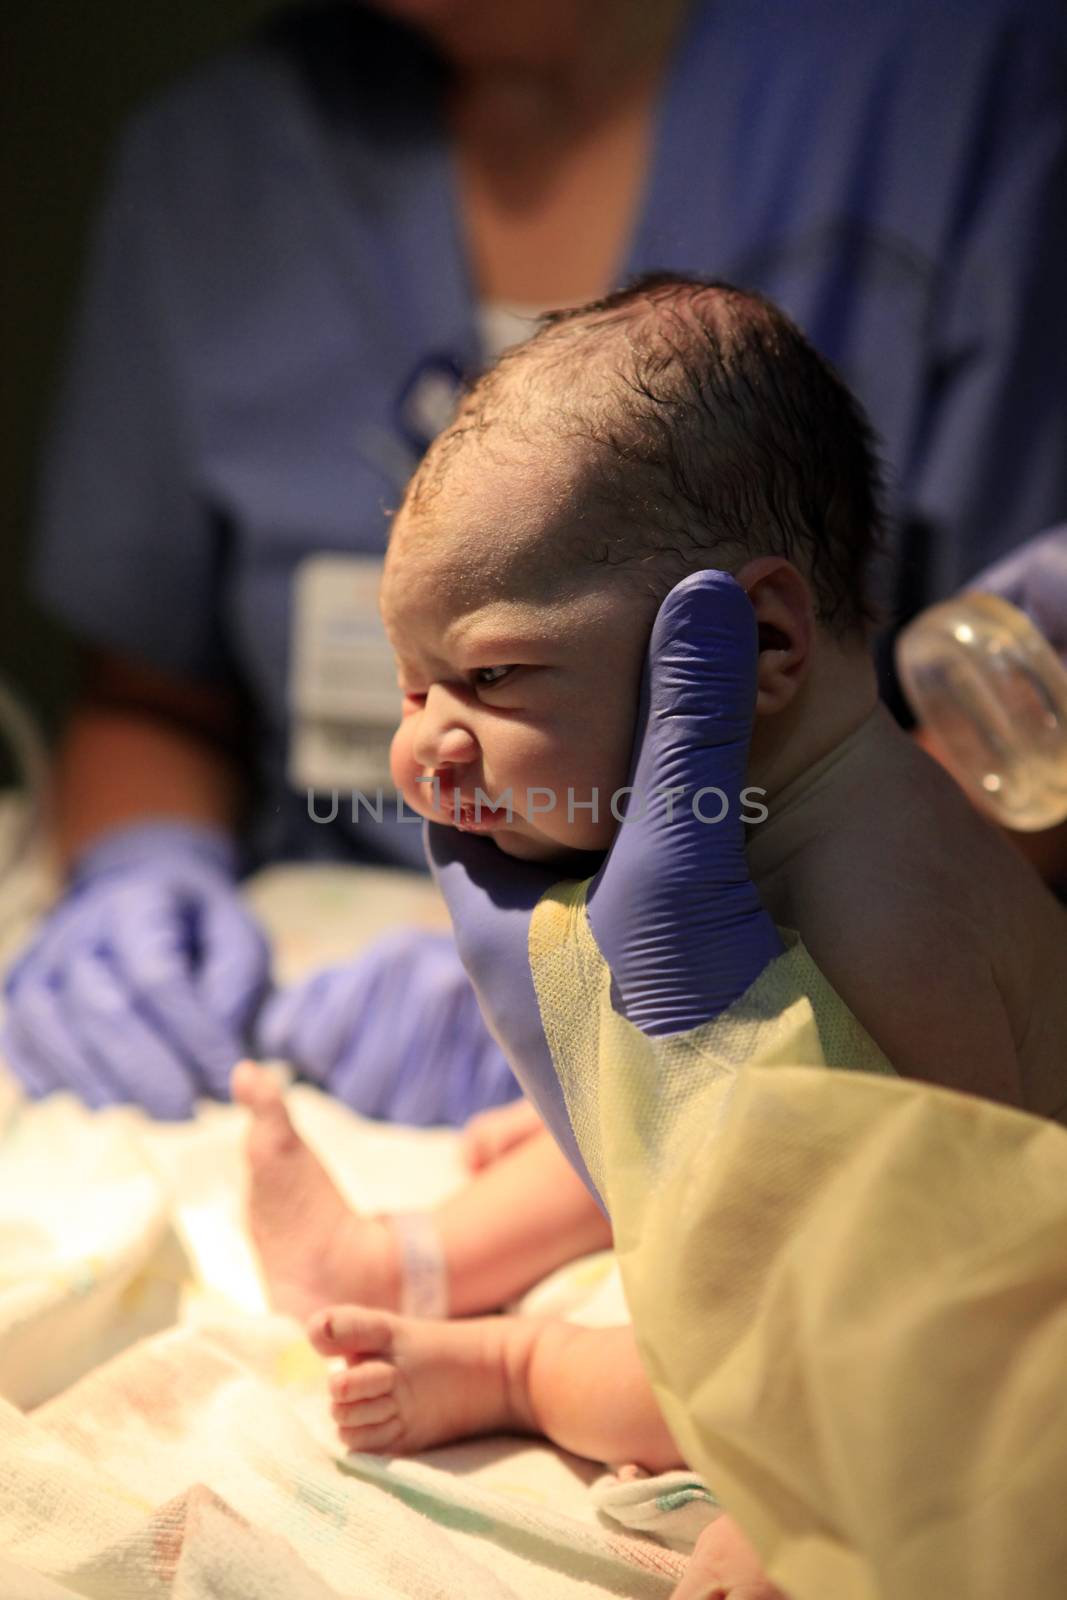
(926, 923)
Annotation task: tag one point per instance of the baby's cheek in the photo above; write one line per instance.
(403, 767)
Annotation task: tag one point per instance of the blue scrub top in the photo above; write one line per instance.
(281, 249)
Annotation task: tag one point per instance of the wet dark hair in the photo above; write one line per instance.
(716, 432)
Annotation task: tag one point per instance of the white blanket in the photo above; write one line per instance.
(162, 1435)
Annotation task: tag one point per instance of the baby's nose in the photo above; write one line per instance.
(442, 738)
(454, 748)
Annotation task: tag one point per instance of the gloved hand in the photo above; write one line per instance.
(672, 907)
(1034, 578)
(141, 982)
(396, 1034)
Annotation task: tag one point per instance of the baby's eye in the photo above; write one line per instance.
(489, 677)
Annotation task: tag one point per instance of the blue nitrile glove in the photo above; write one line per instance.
(141, 982)
(672, 907)
(396, 1034)
(1034, 578)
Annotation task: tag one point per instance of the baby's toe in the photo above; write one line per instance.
(247, 1084)
(351, 1331)
(271, 1132)
(373, 1440)
(364, 1413)
(367, 1381)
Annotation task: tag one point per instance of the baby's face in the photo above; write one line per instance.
(516, 681)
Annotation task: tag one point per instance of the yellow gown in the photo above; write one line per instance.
(849, 1289)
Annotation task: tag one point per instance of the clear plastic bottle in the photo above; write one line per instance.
(991, 693)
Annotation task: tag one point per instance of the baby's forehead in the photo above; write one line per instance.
(431, 584)
(495, 525)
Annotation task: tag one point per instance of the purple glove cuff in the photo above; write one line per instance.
(213, 847)
(1034, 578)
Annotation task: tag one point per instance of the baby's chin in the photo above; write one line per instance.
(525, 848)
(573, 860)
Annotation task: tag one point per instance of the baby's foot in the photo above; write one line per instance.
(313, 1248)
(412, 1383)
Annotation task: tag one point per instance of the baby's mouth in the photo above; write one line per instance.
(467, 813)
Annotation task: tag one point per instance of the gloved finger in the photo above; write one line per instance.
(393, 1071)
(309, 1023)
(673, 909)
(416, 1048)
(703, 658)
(41, 1045)
(490, 898)
(68, 926)
(443, 1077)
(39, 1015)
(354, 1029)
(1034, 578)
(16, 1047)
(394, 1063)
(153, 935)
(274, 1024)
(22, 1059)
(51, 1006)
(123, 1042)
(234, 961)
(479, 1075)
(275, 1027)
(700, 696)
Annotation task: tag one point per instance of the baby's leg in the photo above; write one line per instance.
(312, 1247)
(514, 1222)
(526, 1214)
(413, 1383)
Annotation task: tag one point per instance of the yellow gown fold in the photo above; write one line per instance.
(849, 1290)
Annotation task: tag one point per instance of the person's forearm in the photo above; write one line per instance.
(139, 745)
(116, 767)
(586, 1390)
(518, 1219)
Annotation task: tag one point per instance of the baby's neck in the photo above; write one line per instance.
(806, 758)
(836, 699)
(799, 855)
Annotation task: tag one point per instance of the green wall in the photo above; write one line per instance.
(70, 73)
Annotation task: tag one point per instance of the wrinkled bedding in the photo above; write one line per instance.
(162, 1434)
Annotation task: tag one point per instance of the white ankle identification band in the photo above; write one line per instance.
(423, 1277)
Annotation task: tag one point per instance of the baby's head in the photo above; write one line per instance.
(673, 427)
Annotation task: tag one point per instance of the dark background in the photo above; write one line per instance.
(70, 71)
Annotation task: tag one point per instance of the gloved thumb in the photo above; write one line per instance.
(673, 909)
(490, 897)
(235, 967)
(699, 700)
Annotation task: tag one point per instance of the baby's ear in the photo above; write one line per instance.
(785, 616)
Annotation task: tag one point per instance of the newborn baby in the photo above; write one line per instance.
(675, 427)
(679, 427)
